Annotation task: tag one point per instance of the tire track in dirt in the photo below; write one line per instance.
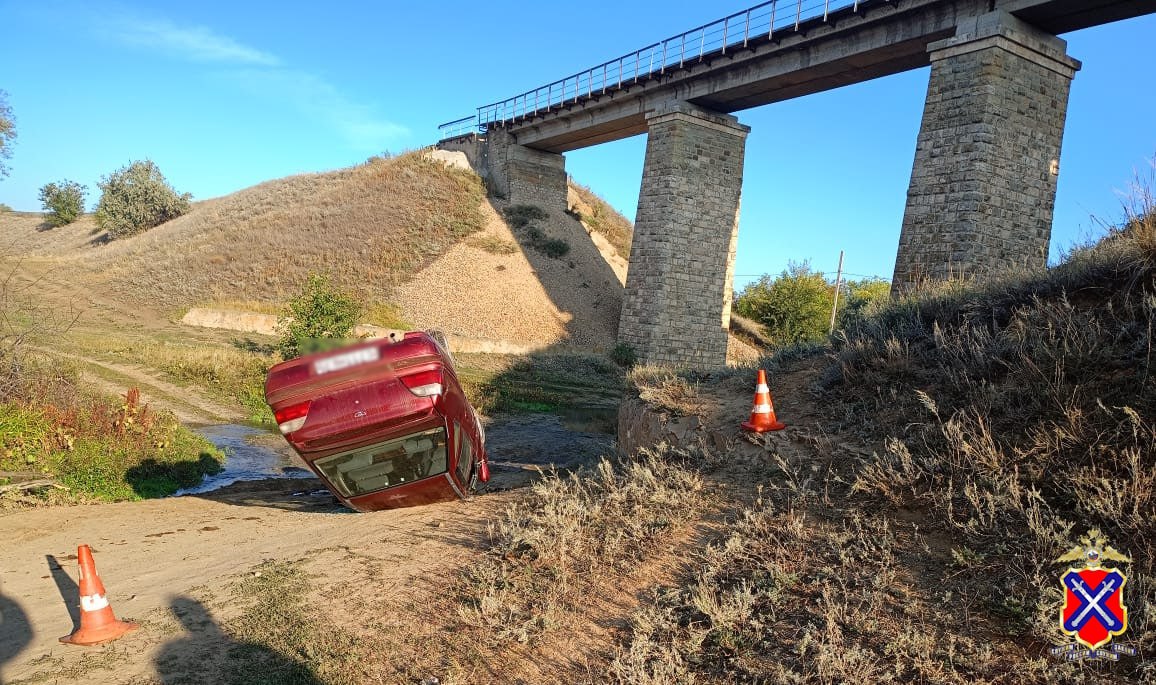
(150, 554)
(188, 405)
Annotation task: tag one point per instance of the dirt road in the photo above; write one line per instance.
(150, 553)
(153, 555)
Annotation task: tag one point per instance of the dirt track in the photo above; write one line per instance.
(152, 554)
(149, 553)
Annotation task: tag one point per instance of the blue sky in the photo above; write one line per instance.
(225, 95)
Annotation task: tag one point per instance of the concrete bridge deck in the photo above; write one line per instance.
(755, 66)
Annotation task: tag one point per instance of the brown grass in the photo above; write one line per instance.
(1012, 417)
(369, 227)
(552, 547)
(601, 217)
(667, 390)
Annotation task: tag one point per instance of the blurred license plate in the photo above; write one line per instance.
(346, 360)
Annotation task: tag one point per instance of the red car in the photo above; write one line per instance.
(383, 423)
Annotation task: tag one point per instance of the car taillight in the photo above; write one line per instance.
(424, 383)
(292, 417)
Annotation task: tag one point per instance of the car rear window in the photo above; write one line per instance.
(387, 464)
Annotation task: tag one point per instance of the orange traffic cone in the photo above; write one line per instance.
(763, 413)
(97, 624)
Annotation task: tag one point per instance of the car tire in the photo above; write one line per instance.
(440, 338)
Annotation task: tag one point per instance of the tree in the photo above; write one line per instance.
(63, 201)
(136, 198)
(794, 307)
(7, 132)
(318, 312)
(863, 298)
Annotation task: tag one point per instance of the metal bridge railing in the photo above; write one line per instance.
(458, 127)
(760, 22)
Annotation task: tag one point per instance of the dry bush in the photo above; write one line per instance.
(1020, 416)
(790, 598)
(548, 546)
(1015, 416)
(667, 390)
(801, 593)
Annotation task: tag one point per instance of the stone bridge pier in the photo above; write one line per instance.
(983, 185)
(676, 308)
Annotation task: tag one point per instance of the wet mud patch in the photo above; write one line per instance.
(522, 445)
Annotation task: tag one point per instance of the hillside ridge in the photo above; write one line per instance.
(406, 234)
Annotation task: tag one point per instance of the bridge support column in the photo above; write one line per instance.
(523, 175)
(983, 185)
(676, 308)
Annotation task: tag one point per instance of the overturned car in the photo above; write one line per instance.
(383, 423)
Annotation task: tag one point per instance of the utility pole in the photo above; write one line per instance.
(838, 284)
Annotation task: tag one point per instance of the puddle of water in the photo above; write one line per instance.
(246, 461)
(515, 443)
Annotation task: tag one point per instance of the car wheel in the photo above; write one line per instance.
(440, 338)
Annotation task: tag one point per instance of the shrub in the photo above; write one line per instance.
(624, 355)
(5, 208)
(795, 307)
(63, 201)
(320, 311)
(7, 132)
(554, 248)
(136, 198)
(862, 298)
(520, 216)
(532, 236)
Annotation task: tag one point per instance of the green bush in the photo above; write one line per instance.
(520, 216)
(624, 355)
(63, 201)
(794, 307)
(7, 132)
(96, 446)
(554, 248)
(136, 198)
(532, 236)
(862, 298)
(5, 208)
(320, 311)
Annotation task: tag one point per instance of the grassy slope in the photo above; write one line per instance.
(1011, 419)
(368, 226)
(601, 217)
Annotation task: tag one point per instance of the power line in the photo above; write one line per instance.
(821, 273)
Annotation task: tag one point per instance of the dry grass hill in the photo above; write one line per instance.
(416, 239)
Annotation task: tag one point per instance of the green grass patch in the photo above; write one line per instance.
(539, 383)
(101, 448)
(386, 315)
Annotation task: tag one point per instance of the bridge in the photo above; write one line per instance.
(983, 181)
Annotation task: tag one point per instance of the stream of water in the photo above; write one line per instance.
(244, 459)
(515, 443)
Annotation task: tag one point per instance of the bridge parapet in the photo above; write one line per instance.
(736, 32)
